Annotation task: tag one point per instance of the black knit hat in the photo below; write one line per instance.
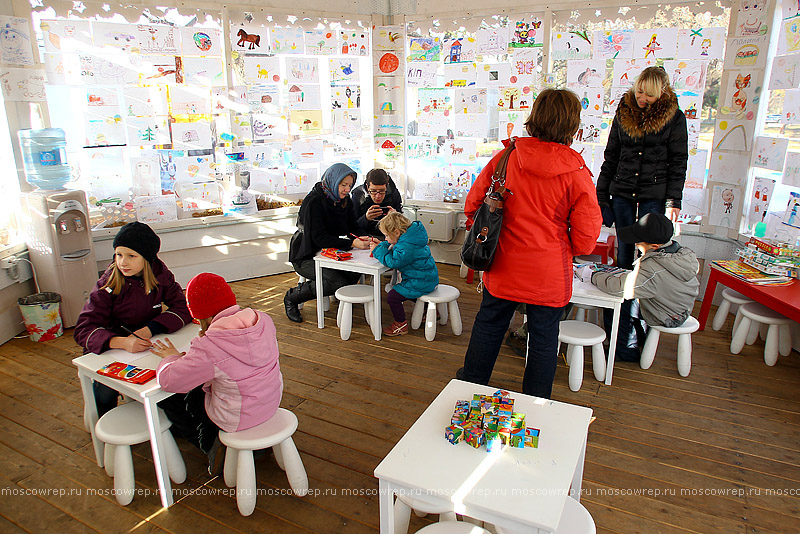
(140, 238)
(652, 228)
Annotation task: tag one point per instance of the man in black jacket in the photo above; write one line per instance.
(371, 201)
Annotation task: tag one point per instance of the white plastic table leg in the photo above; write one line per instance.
(455, 318)
(245, 483)
(739, 336)
(684, 354)
(649, 350)
(295, 471)
(721, 315)
(402, 516)
(771, 345)
(575, 367)
(599, 362)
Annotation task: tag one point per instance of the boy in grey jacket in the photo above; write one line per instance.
(663, 280)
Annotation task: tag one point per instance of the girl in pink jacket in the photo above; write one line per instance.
(232, 367)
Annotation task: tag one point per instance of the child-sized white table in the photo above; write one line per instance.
(589, 294)
(148, 394)
(514, 488)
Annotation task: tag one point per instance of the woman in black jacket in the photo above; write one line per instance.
(325, 220)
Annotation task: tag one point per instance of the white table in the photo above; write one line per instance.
(586, 293)
(148, 394)
(515, 488)
(363, 263)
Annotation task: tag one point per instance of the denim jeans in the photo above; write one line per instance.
(332, 279)
(625, 214)
(491, 324)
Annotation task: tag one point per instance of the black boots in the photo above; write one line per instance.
(296, 295)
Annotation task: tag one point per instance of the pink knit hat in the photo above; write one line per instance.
(208, 294)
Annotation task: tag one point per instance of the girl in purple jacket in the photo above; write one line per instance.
(126, 307)
(231, 369)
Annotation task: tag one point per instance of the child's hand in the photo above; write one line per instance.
(374, 243)
(361, 243)
(164, 348)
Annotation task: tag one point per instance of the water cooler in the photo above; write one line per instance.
(60, 247)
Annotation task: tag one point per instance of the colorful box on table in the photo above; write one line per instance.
(532, 437)
(454, 434)
(774, 247)
(517, 435)
(474, 436)
(493, 440)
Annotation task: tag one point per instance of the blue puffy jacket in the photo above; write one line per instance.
(412, 257)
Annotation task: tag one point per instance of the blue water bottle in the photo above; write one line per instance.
(44, 157)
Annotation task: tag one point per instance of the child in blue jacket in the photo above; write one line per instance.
(405, 249)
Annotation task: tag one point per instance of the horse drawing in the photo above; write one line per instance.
(253, 40)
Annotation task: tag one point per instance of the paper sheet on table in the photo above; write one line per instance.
(129, 357)
(363, 256)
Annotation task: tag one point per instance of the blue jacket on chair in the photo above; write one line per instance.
(412, 257)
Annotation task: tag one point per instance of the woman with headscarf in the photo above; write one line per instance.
(325, 220)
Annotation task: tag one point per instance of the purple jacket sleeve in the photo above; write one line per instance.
(90, 330)
(181, 374)
(177, 315)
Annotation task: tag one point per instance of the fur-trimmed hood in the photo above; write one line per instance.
(636, 121)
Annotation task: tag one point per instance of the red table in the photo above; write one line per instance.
(782, 299)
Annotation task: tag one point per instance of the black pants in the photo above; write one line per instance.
(187, 412)
(332, 279)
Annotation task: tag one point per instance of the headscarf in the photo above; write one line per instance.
(331, 179)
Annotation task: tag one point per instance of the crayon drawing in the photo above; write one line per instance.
(492, 40)
(197, 41)
(66, 35)
(785, 73)
(686, 75)
(791, 170)
(289, 40)
(526, 34)
(260, 69)
(613, 44)
(728, 168)
(268, 127)
(203, 71)
(761, 196)
(343, 70)
(701, 43)
(191, 135)
(157, 39)
(584, 73)
(731, 134)
(354, 42)
(747, 52)
(626, 70)
(419, 74)
(770, 152)
(725, 206)
(461, 50)
(349, 96)
(251, 38)
(655, 43)
(571, 45)
(322, 42)
(425, 49)
(22, 84)
(752, 18)
(470, 100)
(15, 41)
(302, 70)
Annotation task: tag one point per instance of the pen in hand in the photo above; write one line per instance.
(128, 330)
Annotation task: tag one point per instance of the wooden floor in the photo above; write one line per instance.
(716, 452)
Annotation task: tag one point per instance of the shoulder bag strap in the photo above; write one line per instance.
(494, 195)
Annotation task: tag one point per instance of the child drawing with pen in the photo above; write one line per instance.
(405, 249)
(135, 299)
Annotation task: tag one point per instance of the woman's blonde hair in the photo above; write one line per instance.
(394, 223)
(653, 81)
(116, 281)
(555, 116)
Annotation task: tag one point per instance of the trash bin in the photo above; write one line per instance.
(42, 315)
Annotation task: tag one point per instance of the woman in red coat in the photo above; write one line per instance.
(550, 215)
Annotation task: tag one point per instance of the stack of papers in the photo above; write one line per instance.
(750, 274)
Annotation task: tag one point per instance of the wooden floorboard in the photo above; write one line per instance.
(715, 452)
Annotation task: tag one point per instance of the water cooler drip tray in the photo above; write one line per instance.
(75, 254)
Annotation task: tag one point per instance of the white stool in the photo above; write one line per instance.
(403, 506)
(729, 296)
(446, 298)
(579, 334)
(779, 335)
(240, 470)
(453, 527)
(684, 333)
(575, 519)
(326, 301)
(124, 426)
(347, 296)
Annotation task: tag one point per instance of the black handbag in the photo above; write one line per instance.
(480, 244)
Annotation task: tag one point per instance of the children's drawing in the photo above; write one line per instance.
(264, 98)
(304, 96)
(189, 100)
(388, 96)
(694, 202)
(144, 101)
(752, 18)
(460, 74)
(250, 38)
(115, 36)
(728, 168)
(15, 41)
(425, 49)
(322, 42)
(22, 84)
(66, 35)
(306, 151)
(492, 40)
(261, 69)
(147, 131)
(494, 74)
(770, 152)
(157, 39)
(289, 40)
(62, 69)
(297, 181)
(626, 70)
(388, 37)
(432, 123)
(197, 41)
(109, 70)
(791, 106)
(761, 196)
(570, 45)
(194, 168)
(791, 170)
(740, 96)
(524, 66)
(791, 216)
(460, 149)
(435, 99)
(725, 206)
(422, 147)
(470, 100)
(305, 122)
(586, 152)
(302, 70)
(354, 42)
(591, 100)
(696, 167)
(590, 129)
(686, 75)
(241, 128)
(387, 63)
(349, 97)
(655, 43)
(789, 36)
(420, 74)
(701, 43)
(265, 155)
(191, 135)
(145, 175)
(97, 97)
(463, 50)
(688, 102)
(526, 34)
(512, 124)
(103, 131)
(616, 94)
(266, 181)
(224, 98)
(515, 98)
(583, 73)
(203, 71)
(161, 69)
(731, 134)
(785, 73)
(429, 190)
(346, 122)
(613, 44)
(344, 70)
(160, 208)
(746, 52)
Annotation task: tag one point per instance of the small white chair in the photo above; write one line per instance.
(453, 527)
(779, 334)
(729, 296)
(240, 471)
(579, 334)
(684, 333)
(347, 296)
(403, 505)
(446, 299)
(326, 301)
(124, 426)
(575, 519)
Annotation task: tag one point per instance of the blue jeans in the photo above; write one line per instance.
(491, 324)
(625, 214)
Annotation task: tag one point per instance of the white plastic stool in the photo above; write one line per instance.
(779, 335)
(575, 519)
(446, 299)
(582, 311)
(124, 426)
(684, 333)
(579, 334)
(453, 527)
(403, 506)
(729, 296)
(347, 296)
(240, 471)
(326, 301)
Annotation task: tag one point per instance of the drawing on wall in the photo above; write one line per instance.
(591, 100)
(791, 106)
(460, 149)
(264, 98)
(785, 73)
(159, 208)
(739, 100)
(492, 40)
(343, 70)
(460, 74)
(203, 71)
(224, 98)
(66, 35)
(435, 99)
(250, 39)
(147, 131)
(512, 124)
(288, 40)
(791, 170)
(752, 18)
(388, 37)
(144, 101)
(524, 34)
(791, 216)
(515, 98)
(387, 63)
(494, 74)
(770, 152)
(617, 93)
(730, 134)
(103, 131)
(354, 42)
(687, 75)
(590, 129)
(97, 70)
(306, 151)
(626, 70)
(523, 68)
(696, 166)
(725, 206)
(655, 43)
(470, 101)
(583, 73)
(346, 122)
(321, 42)
(693, 131)
(115, 36)
(349, 97)
(701, 43)
(195, 168)
(302, 70)
(197, 41)
(161, 69)
(191, 135)
(462, 50)
(15, 41)
(305, 122)
(62, 69)
(420, 74)
(156, 39)
(22, 84)
(728, 168)
(613, 44)
(433, 123)
(570, 45)
(759, 201)
(789, 35)
(189, 100)
(98, 97)
(260, 69)
(424, 49)
(746, 52)
(694, 202)
(304, 96)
